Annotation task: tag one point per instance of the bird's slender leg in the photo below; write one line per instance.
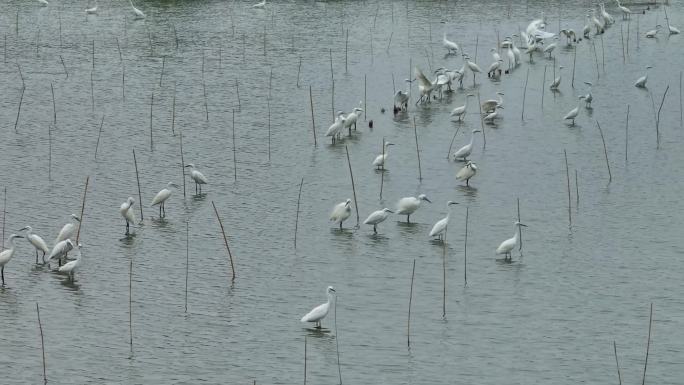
(340, 225)
(164, 207)
(375, 229)
(195, 188)
(36, 256)
(43, 257)
(160, 205)
(408, 218)
(127, 228)
(2, 273)
(468, 182)
(59, 261)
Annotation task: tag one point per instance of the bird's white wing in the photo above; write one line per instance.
(199, 176)
(438, 227)
(407, 205)
(506, 246)
(66, 232)
(39, 243)
(464, 173)
(160, 197)
(316, 314)
(422, 80)
(374, 217)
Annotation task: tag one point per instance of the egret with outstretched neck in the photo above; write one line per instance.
(377, 217)
(319, 312)
(138, 13)
(465, 151)
(461, 111)
(409, 205)
(7, 255)
(37, 242)
(574, 112)
(161, 198)
(507, 246)
(439, 228)
(197, 177)
(68, 230)
(449, 45)
(379, 161)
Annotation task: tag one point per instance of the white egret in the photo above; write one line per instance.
(516, 50)
(587, 27)
(161, 198)
(441, 225)
(197, 177)
(449, 45)
(461, 111)
(351, 119)
(379, 161)
(491, 104)
(641, 82)
(61, 249)
(68, 230)
(549, 48)
(320, 311)
(489, 118)
(341, 212)
(336, 127)
(443, 79)
(37, 242)
(574, 112)
(260, 4)
(626, 12)
(556, 82)
(7, 255)
(600, 28)
(71, 266)
(138, 13)
(409, 205)
(468, 171)
(43, 2)
(673, 30)
(512, 61)
(464, 152)
(507, 246)
(92, 10)
(607, 18)
(588, 97)
(377, 217)
(569, 36)
(425, 86)
(494, 67)
(495, 54)
(127, 212)
(652, 33)
(473, 67)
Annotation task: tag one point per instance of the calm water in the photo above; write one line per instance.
(549, 317)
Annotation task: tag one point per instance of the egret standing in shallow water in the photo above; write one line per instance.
(351, 119)
(409, 205)
(588, 97)
(126, 211)
(92, 10)
(652, 34)
(197, 177)
(37, 242)
(341, 212)
(439, 228)
(60, 250)
(6, 255)
(491, 104)
(464, 152)
(574, 112)
(379, 161)
(461, 111)
(260, 4)
(641, 82)
(161, 198)
(67, 230)
(556, 82)
(507, 246)
(336, 127)
(449, 45)
(377, 217)
(138, 13)
(71, 266)
(468, 171)
(320, 311)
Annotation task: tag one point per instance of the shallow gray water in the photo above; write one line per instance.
(549, 317)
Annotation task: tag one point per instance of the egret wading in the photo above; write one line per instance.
(335, 129)
(161, 198)
(377, 217)
(409, 205)
(461, 111)
(351, 119)
(341, 212)
(440, 227)
(37, 242)
(588, 97)
(557, 81)
(138, 13)
(60, 250)
(490, 105)
(92, 10)
(641, 82)
(71, 266)
(465, 151)
(449, 45)
(126, 211)
(379, 161)
(68, 230)
(509, 244)
(574, 112)
(197, 177)
(7, 255)
(319, 312)
(468, 171)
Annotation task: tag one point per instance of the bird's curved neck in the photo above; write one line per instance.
(516, 236)
(472, 138)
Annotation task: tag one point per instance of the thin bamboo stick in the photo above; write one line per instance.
(83, 202)
(225, 240)
(42, 344)
(408, 325)
(299, 197)
(351, 174)
(137, 178)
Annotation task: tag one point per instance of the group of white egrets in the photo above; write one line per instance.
(93, 10)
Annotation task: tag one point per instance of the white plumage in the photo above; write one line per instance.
(37, 242)
(441, 225)
(319, 312)
(197, 177)
(641, 82)
(449, 45)
(7, 255)
(507, 246)
(260, 4)
(377, 217)
(92, 10)
(61, 249)
(379, 161)
(465, 151)
(126, 211)
(161, 198)
(491, 104)
(71, 266)
(574, 112)
(68, 230)
(336, 127)
(557, 81)
(409, 205)
(138, 13)
(468, 171)
(461, 111)
(341, 212)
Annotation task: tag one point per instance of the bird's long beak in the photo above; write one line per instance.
(77, 218)
(390, 211)
(523, 225)
(187, 165)
(22, 229)
(19, 236)
(428, 201)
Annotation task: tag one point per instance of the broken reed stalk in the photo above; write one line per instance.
(313, 121)
(346, 50)
(408, 324)
(543, 87)
(365, 106)
(180, 133)
(522, 114)
(465, 251)
(617, 363)
(304, 360)
(54, 107)
(268, 101)
(21, 100)
(574, 61)
(299, 70)
(118, 46)
(93, 55)
(130, 302)
(99, 133)
(161, 76)
(567, 176)
(123, 82)
(234, 150)
(137, 178)
(605, 152)
(206, 104)
(42, 343)
(299, 197)
(83, 202)
(662, 101)
(452, 141)
(415, 134)
(225, 240)
(603, 55)
(187, 261)
(520, 244)
(389, 43)
(648, 343)
(337, 344)
(173, 111)
(237, 90)
(151, 138)
(626, 134)
(622, 39)
(351, 174)
(576, 191)
(64, 66)
(49, 154)
(92, 92)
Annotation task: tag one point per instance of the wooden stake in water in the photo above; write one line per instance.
(123, 82)
(658, 117)
(520, 244)
(268, 102)
(605, 152)
(42, 343)
(92, 92)
(4, 215)
(681, 115)
(161, 76)
(237, 90)
(567, 176)
(574, 61)
(382, 167)
(299, 70)
(304, 360)
(99, 133)
(522, 114)
(482, 127)
(365, 106)
(543, 87)
(444, 282)
(415, 134)
(206, 104)
(21, 100)
(49, 154)
(452, 141)
(182, 165)
(346, 49)
(187, 261)
(173, 111)
(225, 240)
(54, 107)
(337, 345)
(234, 149)
(137, 178)
(313, 121)
(151, 138)
(408, 324)
(648, 343)
(617, 363)
(351, 174)
(299, 197)
(83, 202)
(130, 303)
(626, 134)
(465, 251)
